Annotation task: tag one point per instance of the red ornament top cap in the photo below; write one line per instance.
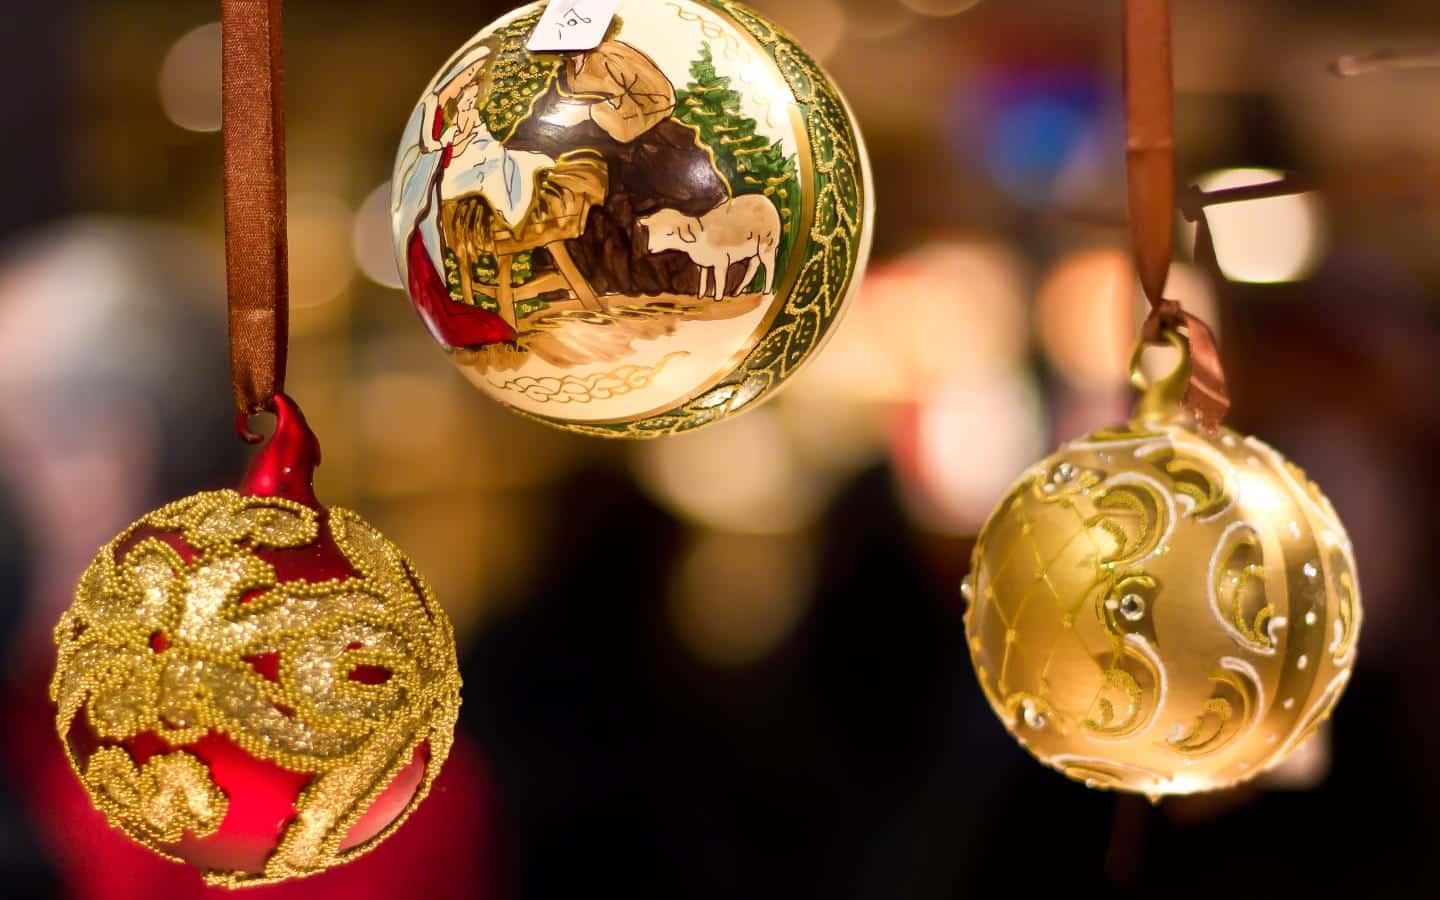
(285, 467)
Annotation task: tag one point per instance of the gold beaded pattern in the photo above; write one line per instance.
(214, 612)
(164, 798)
(518, 77)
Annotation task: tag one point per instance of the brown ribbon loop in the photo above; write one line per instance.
(255, 250)
(1206, 396)
(1150, 140)
(1150, 171)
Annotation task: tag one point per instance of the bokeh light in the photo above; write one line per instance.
(476, 551)
(374, 252)
(411, 413)
(190, 80)
(734, 599)
(1034, 126)
(954, 307)
(742, 476)
(871, 21)
(788, 648)
(1267, 241)
(410, 416)
(1305, 767)
(1192, 287)
(1089, 310)
(831, 432)
(321, 261)
(819, 25)
(950, 307)
(1085, 316)
(958, 451)
(939, 8)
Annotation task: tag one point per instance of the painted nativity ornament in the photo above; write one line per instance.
(636, 239)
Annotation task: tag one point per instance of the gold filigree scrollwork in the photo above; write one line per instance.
(1132, 676)
(1199, 482)
(1130, 692)
(1227, 713)
(1236, 585)
(1202, 485)
(1347, 607)
(1116, 710)
(1136, 513)
(159, 642)
(588, 388)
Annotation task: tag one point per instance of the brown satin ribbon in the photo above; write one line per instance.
(256, 272)
(1150, 170)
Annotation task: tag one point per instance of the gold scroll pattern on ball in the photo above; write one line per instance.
(1163, 610)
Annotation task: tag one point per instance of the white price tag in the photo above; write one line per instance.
(572, 25)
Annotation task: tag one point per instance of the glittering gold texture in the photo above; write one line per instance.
(1162, 610)
(215, 612)
(164, 798)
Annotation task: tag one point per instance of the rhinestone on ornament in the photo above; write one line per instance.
(1132, 607)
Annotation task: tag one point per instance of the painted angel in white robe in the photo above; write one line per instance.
(472, 159)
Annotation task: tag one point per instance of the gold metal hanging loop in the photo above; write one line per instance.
(1165, 396)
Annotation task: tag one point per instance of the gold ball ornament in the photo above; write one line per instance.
(637, 239)
(1163, 610)
(253, 683)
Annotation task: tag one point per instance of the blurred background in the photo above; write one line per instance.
(688, 678)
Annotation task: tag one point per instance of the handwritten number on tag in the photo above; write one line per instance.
(570, 19)
(569, 26)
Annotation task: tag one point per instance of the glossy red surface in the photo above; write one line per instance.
(391, 802)
(285, 466)
(453, 324)
(262, 801)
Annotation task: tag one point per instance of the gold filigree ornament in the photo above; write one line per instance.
(253, 683)
(1161, 609)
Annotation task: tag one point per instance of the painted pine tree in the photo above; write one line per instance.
(750, 162)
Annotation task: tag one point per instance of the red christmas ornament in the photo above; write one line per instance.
(253, 683)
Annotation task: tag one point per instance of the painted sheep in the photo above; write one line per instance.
(745, 228)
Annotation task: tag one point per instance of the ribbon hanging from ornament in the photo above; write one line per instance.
(1150, 171)
(256, 269)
